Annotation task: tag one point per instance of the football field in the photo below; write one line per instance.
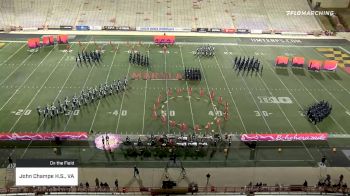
(273, 102)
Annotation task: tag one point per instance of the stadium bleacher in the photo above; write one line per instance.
(240, 14)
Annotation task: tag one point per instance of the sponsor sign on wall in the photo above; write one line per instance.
(285, 137)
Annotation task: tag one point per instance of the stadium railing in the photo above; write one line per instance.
(210, 189)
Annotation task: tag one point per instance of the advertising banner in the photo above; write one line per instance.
(242, 31)
(44, 136)
(64, 27)
(110, 28)
(215, 30)
(123, 28)
(82, 28)
(285, 137)
(202, 30)
(229, 30)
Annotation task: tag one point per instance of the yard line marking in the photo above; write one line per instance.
(234, 103)
(206, 82)
(6, 46)
(59, 92)
(297, 102)
(99, 101)
(251, 94)
(20, 65)
(336, 122)
(25, 79)
(144, 99)
(189, 97)
(279, 106)
(8, 58)
(37, 92)
(336, 80)
(121, 104)
(84, 85)
(167, 97)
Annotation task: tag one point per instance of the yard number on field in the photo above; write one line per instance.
(281, 100)
(216, 113)
(171, 113)
(123, 112)
(262, 113)
(74, 113)
(20, 112)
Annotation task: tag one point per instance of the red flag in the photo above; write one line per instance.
(207, 126)
(201, 92)
(212, 94)
(196, 128)
(154, 115)
(218, 121)
(163, 119)
(172, 123)
(190, 91)
(178, 91)
(226, 116)
(170, 92)
(220, 100)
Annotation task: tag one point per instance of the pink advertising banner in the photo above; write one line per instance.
(284, 137)
(44, 136)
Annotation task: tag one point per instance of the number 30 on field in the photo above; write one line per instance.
(262, 113)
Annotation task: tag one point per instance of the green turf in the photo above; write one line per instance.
(32, 79)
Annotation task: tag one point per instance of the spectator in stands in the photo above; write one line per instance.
(305, 183)
(87, 185)
(97, 182)
(136, 171)
(116, 184)
(11, 165)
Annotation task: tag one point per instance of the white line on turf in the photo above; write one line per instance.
(230, 93)
(20, 65)
(145, 98)
(122, 102)
(84, 85)
(189, 97)
(2, 107)
(334, 80)
(99, 101)
(206, 83)
(6, 46)
(288, 90)
(166, 87)
(59, 92)
(336, 122)
(42, 122)
(284, 114)
(251, 94)
(37, 92)
(13, 54)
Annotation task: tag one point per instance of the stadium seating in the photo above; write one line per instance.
(241, 14)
